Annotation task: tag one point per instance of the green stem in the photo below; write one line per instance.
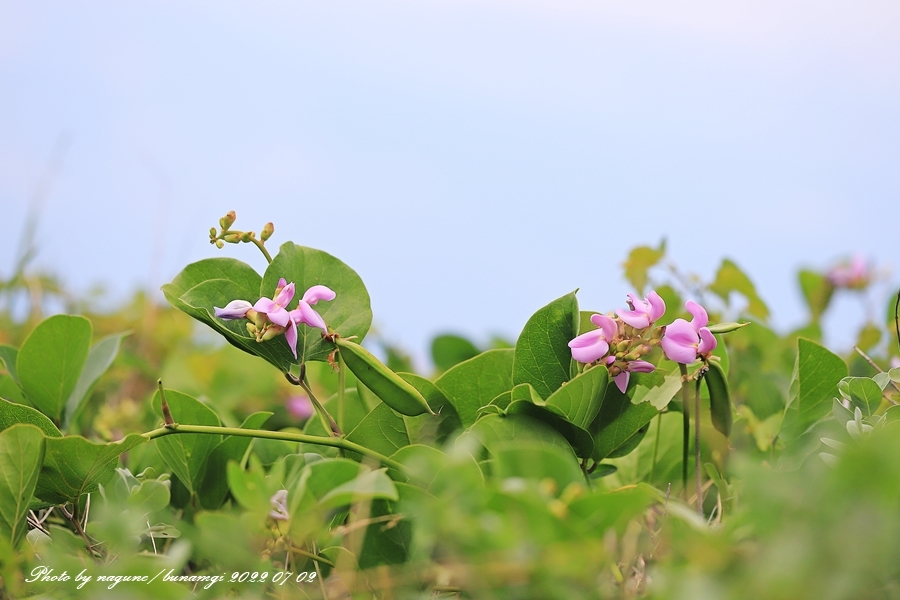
(312, 556)
(655, 448)
(328, 423)
(342, 382)
(262, 248)
(275, 435)
(698, 476)
(686, 427)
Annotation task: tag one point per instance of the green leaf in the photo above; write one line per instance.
(817, 291)
(12, 414)
(862, 392)
(729, 279)
(474, 383)
(8, 356)
(493, 431)
(542, 354)
(366, 486)
(529, 460)
(381, 430)
(214, 488)
(21, 455)
(388, 542)
(449, 350)
(9, 390)
(187, 454)
(580, 399)
(50, 362)
(581, 441)
(639, 261)
(658, 395)
(349, 314)
(817, 374)
(427, 427)
(618, 422)
(868, 336)
(74, 466)
(98, 361)
(599, 512)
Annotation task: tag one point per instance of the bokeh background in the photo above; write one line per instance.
(471, 160)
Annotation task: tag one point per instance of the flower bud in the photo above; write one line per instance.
(232, 238)
(271, 332)
(267, 231)
(247, 236)
(623, 345)
(220, 244)
(228, 220)
(620, 355)
(644, 349)
(212, 233)
(633, 355)
(257, 318)
(615, 370)
(252, 329)
(726, 327)
(658, 333)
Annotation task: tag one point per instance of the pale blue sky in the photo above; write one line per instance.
(471, 160)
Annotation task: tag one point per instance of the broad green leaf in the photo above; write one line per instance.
(214, 487)
(542, 354)
(817, 291)
(580, 399)
(252, 488)
(818, 372)
(493, 431)
(599, 512)
(639, 261)
(349, 314)
(427, 427)
(449, 350)
(719, 398)
(187, 453)
(21, 455)
(729, 279)
(149, 496)
(862, 392)
(618, 421)
(529, 460)
(388, 542)
(99, 359)
(659, 396)
(74, 466)
(12, 414)
(868, 336)
(381, 430)
(9, 390)
(50, 362)
(581, 441)
(474, 383)
(366, 486)
(8, 356)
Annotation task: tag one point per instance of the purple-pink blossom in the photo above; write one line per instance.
(634, 366)
(593, 345)
(644, 312)
(305, 313)
(854, 275)
(300, 407)
(236, 309)
(278, 502)
(275, 309)
(684, 342)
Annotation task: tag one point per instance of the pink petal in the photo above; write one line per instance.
(279, 316)
(304, 313)
(622, 380)
(606, 324)
(700, 317)
(708, 341)
(291, 336)
(264, 305)
(680, 342)
(641, 366)
(281, 283)
(318, 292)
(285, 296)
(590, 346)
(236, 309)
(657, 306)
(638, 320)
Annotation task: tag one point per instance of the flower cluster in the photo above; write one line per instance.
(854, 275)
(269, 317)
(621, 342)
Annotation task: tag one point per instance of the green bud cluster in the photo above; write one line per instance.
(232, 236)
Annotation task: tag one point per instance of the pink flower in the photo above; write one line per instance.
(854, 275)
(279, 510)
(593, 345)
(634, 366)
(644, 312)
(236, 309)
(299, 407)
(684, 342)
(275, 309)
(304, 313)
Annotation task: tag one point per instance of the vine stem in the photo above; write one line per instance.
(656, 447)
(698, 476)
(275, 435)
(262, 249)
(328, 423)
(686, 427)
